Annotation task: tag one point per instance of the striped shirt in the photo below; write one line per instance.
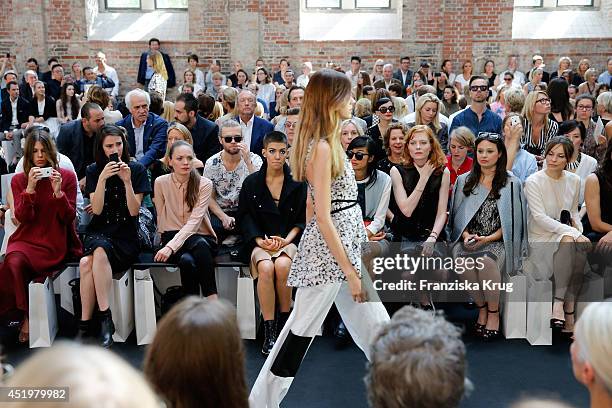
(537, 148)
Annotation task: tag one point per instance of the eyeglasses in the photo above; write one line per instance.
(476, 88)
(543, 101)
(385, 109)
(583, 107)
(487, 136)
(290, 124)
(228, 139)
(358, 155)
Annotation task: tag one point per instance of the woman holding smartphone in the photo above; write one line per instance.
(45, 206)
(115, 186)
(327, 266)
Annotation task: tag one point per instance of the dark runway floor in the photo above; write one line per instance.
(501, 372)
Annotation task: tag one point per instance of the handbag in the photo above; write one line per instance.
(146, 229)
(173, 295)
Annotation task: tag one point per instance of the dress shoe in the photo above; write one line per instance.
(107, 329)
(269, 336)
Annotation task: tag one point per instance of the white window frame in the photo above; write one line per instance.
(145, 6)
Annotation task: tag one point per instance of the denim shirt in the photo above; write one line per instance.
(490, 122)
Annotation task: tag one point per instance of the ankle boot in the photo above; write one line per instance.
(84, 330)
(269, 336)
(282, 320)
(107, 328)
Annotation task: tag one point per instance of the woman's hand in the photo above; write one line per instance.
(111, 169)
(355, 286)
(604, 245)
(426, 171)
(473, 241)
(163, 254)
(428, 246)
(380, 235)
(125, 174)
(281, 242)
(56, 183)
(33, 177)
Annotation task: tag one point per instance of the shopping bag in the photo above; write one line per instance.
(539, 311)
(42, 315)
(9, 228)
(245, 304)
(592, 291)
(144, 307)
(64, 279)
(122, 305)
(515, 308)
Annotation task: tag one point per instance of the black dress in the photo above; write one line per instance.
(115, 229)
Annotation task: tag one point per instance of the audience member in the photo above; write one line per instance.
(98, 95)
(387, 78)
(458, 162)
(90, 78)
(203, 131)
(404, 75)
(413, 343)
(514, 100)
(278, 77)
(146, 132)
(193, 60)
(27, 89)
(590, 85)
(522, 163)
(42, 106)
(291, 124)
(295, 96)
(76, 72)
(535, 79)
(45, 207)
(427, 113)
(15, 111)
(478, 118)
(266, 87)
(450, 98)
(55, 83)
(538, 127)
(349, 130)
(384, 112)
(594, 145)
(271, 214)
(394, 143)
(560, 107)
(462, 80)
(303, 79)
(355, 72)
(181, 202)
(253, 128)
(604, 110)
(50, 63)
(68, 105)
(214, 67)
(228, 99)
(115, 186)
(106, 71)
(518, 78)
(145, 71)
(197, 356)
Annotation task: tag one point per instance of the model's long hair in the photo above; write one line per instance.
(436, 155)
(192, 192)
(326, 96)
(159, 65)
(501, 175)
(38, 134)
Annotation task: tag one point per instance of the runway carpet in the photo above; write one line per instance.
(501, 372)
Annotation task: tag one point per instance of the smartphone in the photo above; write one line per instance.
(565, 218)
(437, 74)
(46, 172)
(471, 241)
(114, 157)
(515, 120)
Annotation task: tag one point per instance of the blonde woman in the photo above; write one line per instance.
(538, 127)
(363, 108)
(168, 112)
(583, 66)
(463, 79)
(377, 71)
(564, 64)
(535, 79)
(427, 113)
(281, 106)
(159, 80)
(589, 86)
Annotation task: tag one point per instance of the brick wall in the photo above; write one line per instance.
(245, 29)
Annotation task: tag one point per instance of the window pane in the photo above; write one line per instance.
(527, 3)
(122, 3)
(323, 3)
(373, 3)
(175, 4)
(574, 2)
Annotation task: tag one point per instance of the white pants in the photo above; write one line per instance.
(310, 308)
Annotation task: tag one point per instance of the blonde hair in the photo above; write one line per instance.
(428, 97)
(401, 108)
(605, 100)
(158, 64)
(593, 332)
(590, 73)
(464, 136)
(327, 94)
(534, 72)
(217, 111)
(168, 113)
(92, 374)
(566, 59)
(363, 107)
(582, 62)
(528, 107)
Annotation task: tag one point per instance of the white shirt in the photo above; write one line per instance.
(139, 139)
(110, 73)
(247, 130)
(200, 78)
(352, 77)
(41, 107)
(302, 80)
(14, 121)
(519, 78)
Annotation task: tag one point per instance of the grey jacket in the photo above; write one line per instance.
(512, 208)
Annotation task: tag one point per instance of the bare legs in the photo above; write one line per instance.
(96, 280)
(272, 282)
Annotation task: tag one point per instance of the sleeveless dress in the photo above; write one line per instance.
(314, 264)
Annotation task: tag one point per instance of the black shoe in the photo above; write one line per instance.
(491, 335)
(479, 328)
(282, 320)
(84, 330)
(342, 335)
(269, 336)
(107, 328)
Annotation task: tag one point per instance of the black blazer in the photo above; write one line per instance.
(258, 215)
(205, 136)
(70, 142)
(7, 113)
(50, 111)
(25, 91)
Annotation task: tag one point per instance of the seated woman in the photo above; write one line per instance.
(598, 196)
(45, 207)
(537, 126)
(349, 130)
(189, 78)
(426, 113)
(176, 132)
(272, 214)
(555, 231)
(115, 186)
(181, 200)
(67, 106)
(383, 109)
(460, 144)
(450, 100)
(394, 141)
(488, 219)
(522, 163)
(197, 356)
(420, 189)
(99, 95)
(42, 106)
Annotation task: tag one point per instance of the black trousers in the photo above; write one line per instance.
(196, 260)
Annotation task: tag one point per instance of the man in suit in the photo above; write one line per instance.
(203, 131)
(387, 78)
(14, 110)
(26, 90)
(404, 75)
(55, 83)
(253, 128)
(147, 132)
(145, 73)
(76, 138)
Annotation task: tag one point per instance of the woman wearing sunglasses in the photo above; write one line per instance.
(488, 221)
(427, 113)
(383, 109)
(539, 128)
(420, 189)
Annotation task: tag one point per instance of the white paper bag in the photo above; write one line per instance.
(245, 305)
(9, 228)
(592, 291)
(64, 279)
(122, 306)
(42, 315)
(515, 308)
(144, 307)
(539, 311)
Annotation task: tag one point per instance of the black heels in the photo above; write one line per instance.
(558, 324)
(479, 328)
(491, 335)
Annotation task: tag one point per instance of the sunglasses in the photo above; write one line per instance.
(508, 79)
(384, 109)
(228, 139)
(487, 136)
(475, 88)
(358, 155)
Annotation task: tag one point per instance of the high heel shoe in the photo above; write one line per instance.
(479, 328)
(491, 335)
(557, 324)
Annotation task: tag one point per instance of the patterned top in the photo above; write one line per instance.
(158, 84)
(313, 264)
(539, 147)
(227, 184)
(487, 220)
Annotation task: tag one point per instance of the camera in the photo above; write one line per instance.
(515, 120)
(46, 172)
(437, 74)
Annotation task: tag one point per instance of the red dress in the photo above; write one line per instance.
(46, 237)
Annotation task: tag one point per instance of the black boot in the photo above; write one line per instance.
(107, 328)
(269, 336)
(84, 330)
(282, 320)
(343, 338)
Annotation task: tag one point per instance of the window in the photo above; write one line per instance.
(145, 5)
(574, 2)
(348, 4)
(171, 4)
(334, 4)
(372, 4)
(123, 4)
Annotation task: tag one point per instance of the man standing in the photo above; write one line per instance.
(354, 73)
(253, 128)
(147, 132)
(478, 118)
(145, 72)
(387, 78)
(203, 131)
(404, 75)
(107, 71)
